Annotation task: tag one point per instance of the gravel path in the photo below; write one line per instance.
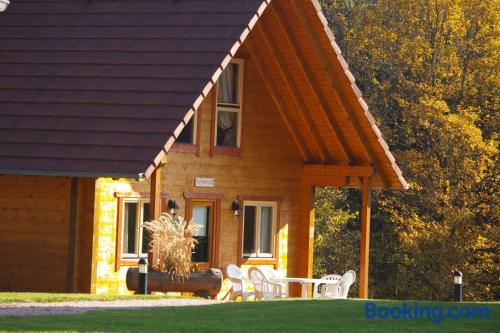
(39, 309)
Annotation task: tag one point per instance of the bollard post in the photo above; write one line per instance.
(458, 290)
(143, 276)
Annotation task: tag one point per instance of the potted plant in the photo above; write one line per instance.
(172, 239)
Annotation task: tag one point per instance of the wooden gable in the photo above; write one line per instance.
(318, 99)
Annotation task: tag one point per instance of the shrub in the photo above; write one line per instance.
(173, 238)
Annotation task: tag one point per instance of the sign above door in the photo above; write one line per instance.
(204, 182)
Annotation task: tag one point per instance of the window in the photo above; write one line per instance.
(188, 134)
(259, 229)
(134, 241)
(131, 241)
(188, 140)
(229, 105)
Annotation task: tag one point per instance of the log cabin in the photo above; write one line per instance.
(231, 112)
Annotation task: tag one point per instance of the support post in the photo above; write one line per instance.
(154, 209)
(310, 211)
(155, 194)
(365, 237)
(305, 243)
(73, 220)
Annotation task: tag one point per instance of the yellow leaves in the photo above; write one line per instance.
(430, 71)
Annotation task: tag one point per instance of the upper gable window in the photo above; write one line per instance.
(229, 105)
(188, 134)
(188, 140)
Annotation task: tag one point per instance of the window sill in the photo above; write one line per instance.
(185, 148)
(129, 261)
(225, 151)
(200, 266)
(260, 261)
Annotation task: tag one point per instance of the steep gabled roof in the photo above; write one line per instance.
(103, 88)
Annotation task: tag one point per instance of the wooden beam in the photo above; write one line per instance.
(73, 220)
(364, 255)
(299, 12)
(308, 226)
(311, 170)
(303, 243)
(328, 181)
(309, 196)
(294, 92)
(155, 193)
(278, 101)
(313, 84)
(154, 209)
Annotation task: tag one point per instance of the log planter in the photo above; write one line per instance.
(205, 284)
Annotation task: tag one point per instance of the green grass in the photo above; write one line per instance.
(54, 297)
(275, 316)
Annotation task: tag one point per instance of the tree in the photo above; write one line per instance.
(429, 71)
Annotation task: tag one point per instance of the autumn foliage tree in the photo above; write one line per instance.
(429, 71)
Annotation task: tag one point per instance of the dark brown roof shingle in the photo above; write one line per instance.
(98, 88)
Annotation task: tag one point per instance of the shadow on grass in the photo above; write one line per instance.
(277, 316)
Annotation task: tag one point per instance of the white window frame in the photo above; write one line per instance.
(258, 253)
(236, 108)
(139, 230)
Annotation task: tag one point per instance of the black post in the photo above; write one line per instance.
(457, 279)
(143, 276)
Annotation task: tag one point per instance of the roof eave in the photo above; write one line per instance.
(402, 184)
(139, 176)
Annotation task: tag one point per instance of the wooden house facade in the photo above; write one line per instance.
(112, 111)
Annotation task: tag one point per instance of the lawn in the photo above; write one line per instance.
(271, 316)
(54, 297)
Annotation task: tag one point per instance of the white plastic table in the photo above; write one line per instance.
(303, 282)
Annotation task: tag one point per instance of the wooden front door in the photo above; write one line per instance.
(203, 215)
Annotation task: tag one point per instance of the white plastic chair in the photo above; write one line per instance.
(235, 274)
(340, 290)
(264, 288)
(320, 288)
(271, 275)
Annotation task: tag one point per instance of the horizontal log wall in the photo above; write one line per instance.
(106, 279)
(269, 165)
(84, 236)
(34, 222)
(34, 219)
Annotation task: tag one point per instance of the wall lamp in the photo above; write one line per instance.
(3, 5)
(235, 206)
(173, 207)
